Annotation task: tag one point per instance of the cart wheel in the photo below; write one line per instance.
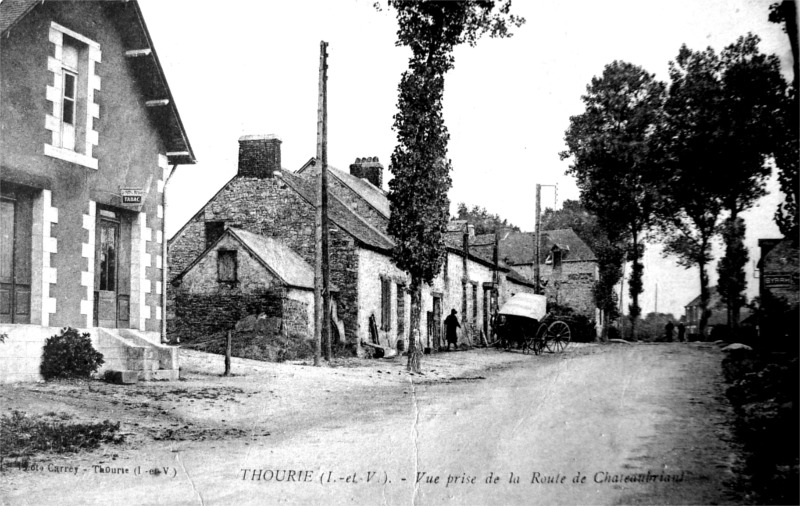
(558, 335)
(539, 340)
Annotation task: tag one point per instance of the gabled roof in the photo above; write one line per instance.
(368, 192)
(517, 248)
(340, 214)
(276, 257)
(145, 65)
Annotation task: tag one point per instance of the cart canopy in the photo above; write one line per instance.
(526, 305)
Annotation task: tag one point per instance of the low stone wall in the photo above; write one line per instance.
(199, 315)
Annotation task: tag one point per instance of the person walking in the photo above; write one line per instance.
(669, 327)
(451, 324)
(681, 332)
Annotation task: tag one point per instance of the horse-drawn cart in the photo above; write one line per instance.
(524, 321)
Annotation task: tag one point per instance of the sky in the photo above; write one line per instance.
(251, 67)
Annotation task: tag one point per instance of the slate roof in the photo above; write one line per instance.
(147, 68)
(368, 192)
(340, 214)
(278, 258)
(275, 256)
(12, 11)
(517, 247)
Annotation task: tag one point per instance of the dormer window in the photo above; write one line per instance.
(72, 121)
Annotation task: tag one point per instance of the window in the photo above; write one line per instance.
(401, 309)
(474, 303)
(463, 300)
(74, 113)
(556, 258)
(386, 304)
(226, 266)
(214, 229)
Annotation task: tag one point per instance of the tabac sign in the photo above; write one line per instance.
(131, 196)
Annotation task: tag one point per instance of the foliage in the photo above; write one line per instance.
(653, 327)
(418, 192)
(69, 355)
(763, 391)
(26, 435)
(787, 215)
(3, 337)
(609, 255)
(483, 221)
(581, 326)
(751, 96)
(610, 145)
(690, 197)
(732, 281)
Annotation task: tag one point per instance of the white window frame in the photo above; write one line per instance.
(55, 94)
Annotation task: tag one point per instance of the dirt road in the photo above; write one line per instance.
(615, 424)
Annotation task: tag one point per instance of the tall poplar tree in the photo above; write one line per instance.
(418, 192)
(610, 145)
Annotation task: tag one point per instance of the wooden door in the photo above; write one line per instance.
(106, 270)
(437, 321)
(16, 213)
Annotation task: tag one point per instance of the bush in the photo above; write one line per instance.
(70, 355)
(27, 435)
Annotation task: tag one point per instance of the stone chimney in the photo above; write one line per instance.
(259, 155)
(368, 168)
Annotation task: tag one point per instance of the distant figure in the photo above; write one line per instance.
(681, 332)
(451, 323)
(669, 327)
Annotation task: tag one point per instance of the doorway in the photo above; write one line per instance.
(16, 220)
(112, 270)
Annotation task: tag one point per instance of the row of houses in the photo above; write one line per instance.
(220, 273)
(89, 133)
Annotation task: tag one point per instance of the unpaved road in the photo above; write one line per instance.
(570, 428)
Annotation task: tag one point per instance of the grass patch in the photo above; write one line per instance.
(26, 435)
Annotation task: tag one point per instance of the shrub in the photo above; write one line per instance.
(24, 435)
(70, 355)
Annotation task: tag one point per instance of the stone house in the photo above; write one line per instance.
(88, 131)
(718, 316)
(567, 266)
(267, 200)
(779, 289)
(240, 274)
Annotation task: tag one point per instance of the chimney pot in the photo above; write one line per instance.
(368, 168)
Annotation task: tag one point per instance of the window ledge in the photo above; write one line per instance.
(70, 156)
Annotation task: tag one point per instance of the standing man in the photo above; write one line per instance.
(681, 332)
(669, 328)
(451, 324)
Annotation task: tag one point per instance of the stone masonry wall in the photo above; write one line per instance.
(198, 315)
(267, 206)
(572, 285)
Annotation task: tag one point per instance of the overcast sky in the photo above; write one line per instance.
(251, 67)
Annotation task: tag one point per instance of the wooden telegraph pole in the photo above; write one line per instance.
(322, 296)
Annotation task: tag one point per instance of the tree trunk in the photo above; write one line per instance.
(414, 344)
(704, 296)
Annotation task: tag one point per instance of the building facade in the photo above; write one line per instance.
(269, 201)
(88, 131)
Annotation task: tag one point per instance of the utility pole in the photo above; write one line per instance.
(537, 235)
(322, 296)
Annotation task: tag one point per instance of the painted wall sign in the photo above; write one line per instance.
(787, 279)
(131, 196)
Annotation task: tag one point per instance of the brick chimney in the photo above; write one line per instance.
(259, 155)
(368, 168)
